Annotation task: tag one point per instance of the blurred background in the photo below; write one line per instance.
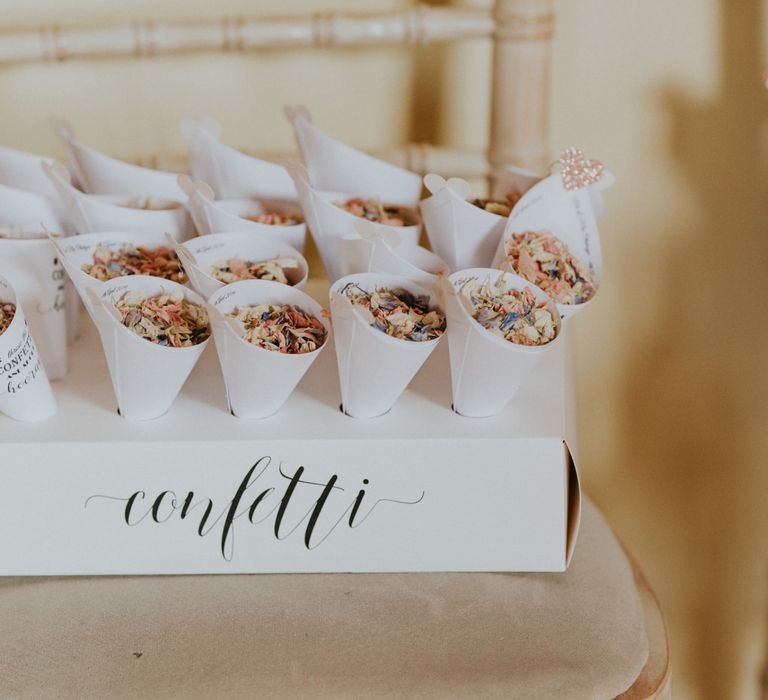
(671, 381)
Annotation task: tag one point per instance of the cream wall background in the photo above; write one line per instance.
(672, 385)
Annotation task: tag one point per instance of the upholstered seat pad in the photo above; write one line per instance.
(576, 635)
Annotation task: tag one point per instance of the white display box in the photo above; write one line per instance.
(306, 490)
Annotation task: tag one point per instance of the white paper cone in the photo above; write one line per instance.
(89, 213)
(146, 377)
(259, 381)
(33, 268)
(459, 232)
(25, 393)
(209, 250)
(369, 252)
(77, 251)
(514, 181)
(230, 216)
(101, 174)
(374, 368)
(569, 216)
(232, 174)
(335, 166)
(27, 214)
(21, 170)
(486, 370)
(329, 224)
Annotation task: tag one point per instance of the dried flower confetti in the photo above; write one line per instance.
(156, 262)
(165, 319)
(276, 219)
(150, 204)
(373, 210)
(497, 206)
(512, 314)
(399, 313)
(280, 327)
(236, 269)
(545, 261)
(7, 312)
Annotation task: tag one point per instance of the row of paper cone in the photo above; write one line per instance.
(100, 193)
(461, 233)
(229, 187)
(193, 211)
(38, 197)
(147, 377)
(374, 368)
(371, 249)
(197, 256)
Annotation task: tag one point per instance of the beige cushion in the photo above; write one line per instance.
(573, 635)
